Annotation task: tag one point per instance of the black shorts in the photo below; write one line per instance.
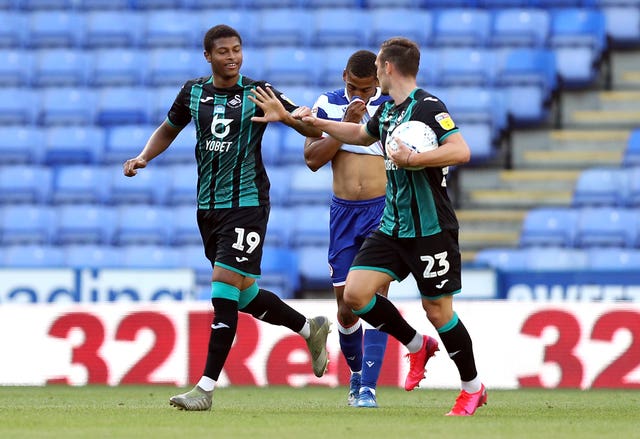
(433, 260)
(233, 237)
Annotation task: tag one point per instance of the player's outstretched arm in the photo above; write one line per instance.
(345, 132)
(156, 145)
(274, 111)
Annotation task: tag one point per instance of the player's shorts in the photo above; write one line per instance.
(433, 260)
(233, 237)
(351, 222)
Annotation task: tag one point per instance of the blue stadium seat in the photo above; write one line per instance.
(555, 259)
(73, 144)
(317, 4)
(149, 186)
(173, 66)
(308, 187)
(313, 268)
(549, 226)
(600, 187)
(291, 65)
(60, 67)
(182, 149)
(479, 137)
(280, 271)
(520, 27)
(184, 227)
(632, 195)
(330, 71)
(182, 185)
(292, 147)
(464, 66)
(118, 67)
(262, 4)
(123, 105)
(104, 5)
(85, 224)
(461, 27)
(632, 151)
(284, 26)
(150, 256)
(437, 4)
(161, 100)
(13, 29)
(527, 75)
(578, 37)
(25, 184)
(58, 28)
(18, 106)
(125, 141)
(271, 144)
(506, 259)
(192, 256)
(280, 226)
(112, 28)
(280, 178)
(142, 225)
(475, 105)
(340, 27)
(22, 224)
(92, 256)
(253, 58)
(30, 256)
(607, 227)
(506, 4)
(35, 5)
(243, 20)
(417, 24)
(150, 5)
(614, 259)
(16, 67)
(622, 25)
(306, 95)
(21, 144)
(378, 4)
(79, 184)
(171, 28)
(67, 106)
(311, 226)
(555, 4)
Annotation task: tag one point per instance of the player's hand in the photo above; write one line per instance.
(266, 99)
(305, 114)
(130, 166)
(401, 155)
(355, 110)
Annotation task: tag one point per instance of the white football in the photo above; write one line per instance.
(416, 135)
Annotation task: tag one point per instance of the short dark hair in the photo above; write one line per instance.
(216, 32)
(403, 53)
(362, 64)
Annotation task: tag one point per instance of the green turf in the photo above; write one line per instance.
(280, 412)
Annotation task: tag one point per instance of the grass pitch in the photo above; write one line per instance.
(314, 412)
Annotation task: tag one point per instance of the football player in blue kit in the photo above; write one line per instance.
(359, 183)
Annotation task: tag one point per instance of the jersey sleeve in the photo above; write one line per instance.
(179, 114)
(373, 125)
(434, 113)
(287, 103)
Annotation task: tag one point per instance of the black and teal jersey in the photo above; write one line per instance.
(231, 172)
(417, 203)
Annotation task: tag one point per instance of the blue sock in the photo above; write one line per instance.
(375, 343)
(351, 346)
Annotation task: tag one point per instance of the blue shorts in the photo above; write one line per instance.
(350, 223)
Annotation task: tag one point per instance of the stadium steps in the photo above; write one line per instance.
(479, 226)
